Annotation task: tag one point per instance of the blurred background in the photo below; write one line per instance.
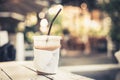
(90, 31)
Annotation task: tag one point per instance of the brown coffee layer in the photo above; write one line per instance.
(49, 48)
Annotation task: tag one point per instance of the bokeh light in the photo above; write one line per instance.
(43, 25)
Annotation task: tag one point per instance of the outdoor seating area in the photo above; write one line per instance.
(78, 38)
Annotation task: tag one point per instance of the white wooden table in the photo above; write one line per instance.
(25, 71)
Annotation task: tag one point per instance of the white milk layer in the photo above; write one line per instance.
(46, 61)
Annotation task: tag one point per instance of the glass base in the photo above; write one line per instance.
(43, 73)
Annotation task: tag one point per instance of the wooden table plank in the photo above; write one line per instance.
(3, 76)
(20, 71)
(16, 71)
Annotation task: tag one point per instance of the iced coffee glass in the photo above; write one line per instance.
(46, 54)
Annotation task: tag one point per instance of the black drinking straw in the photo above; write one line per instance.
(53, 21)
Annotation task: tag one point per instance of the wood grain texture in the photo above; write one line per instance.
(20, 71)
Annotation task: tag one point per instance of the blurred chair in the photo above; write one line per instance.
(7, 50)
(117, 55)
(3, 38)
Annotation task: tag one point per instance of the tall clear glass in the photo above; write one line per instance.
(46, 54)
